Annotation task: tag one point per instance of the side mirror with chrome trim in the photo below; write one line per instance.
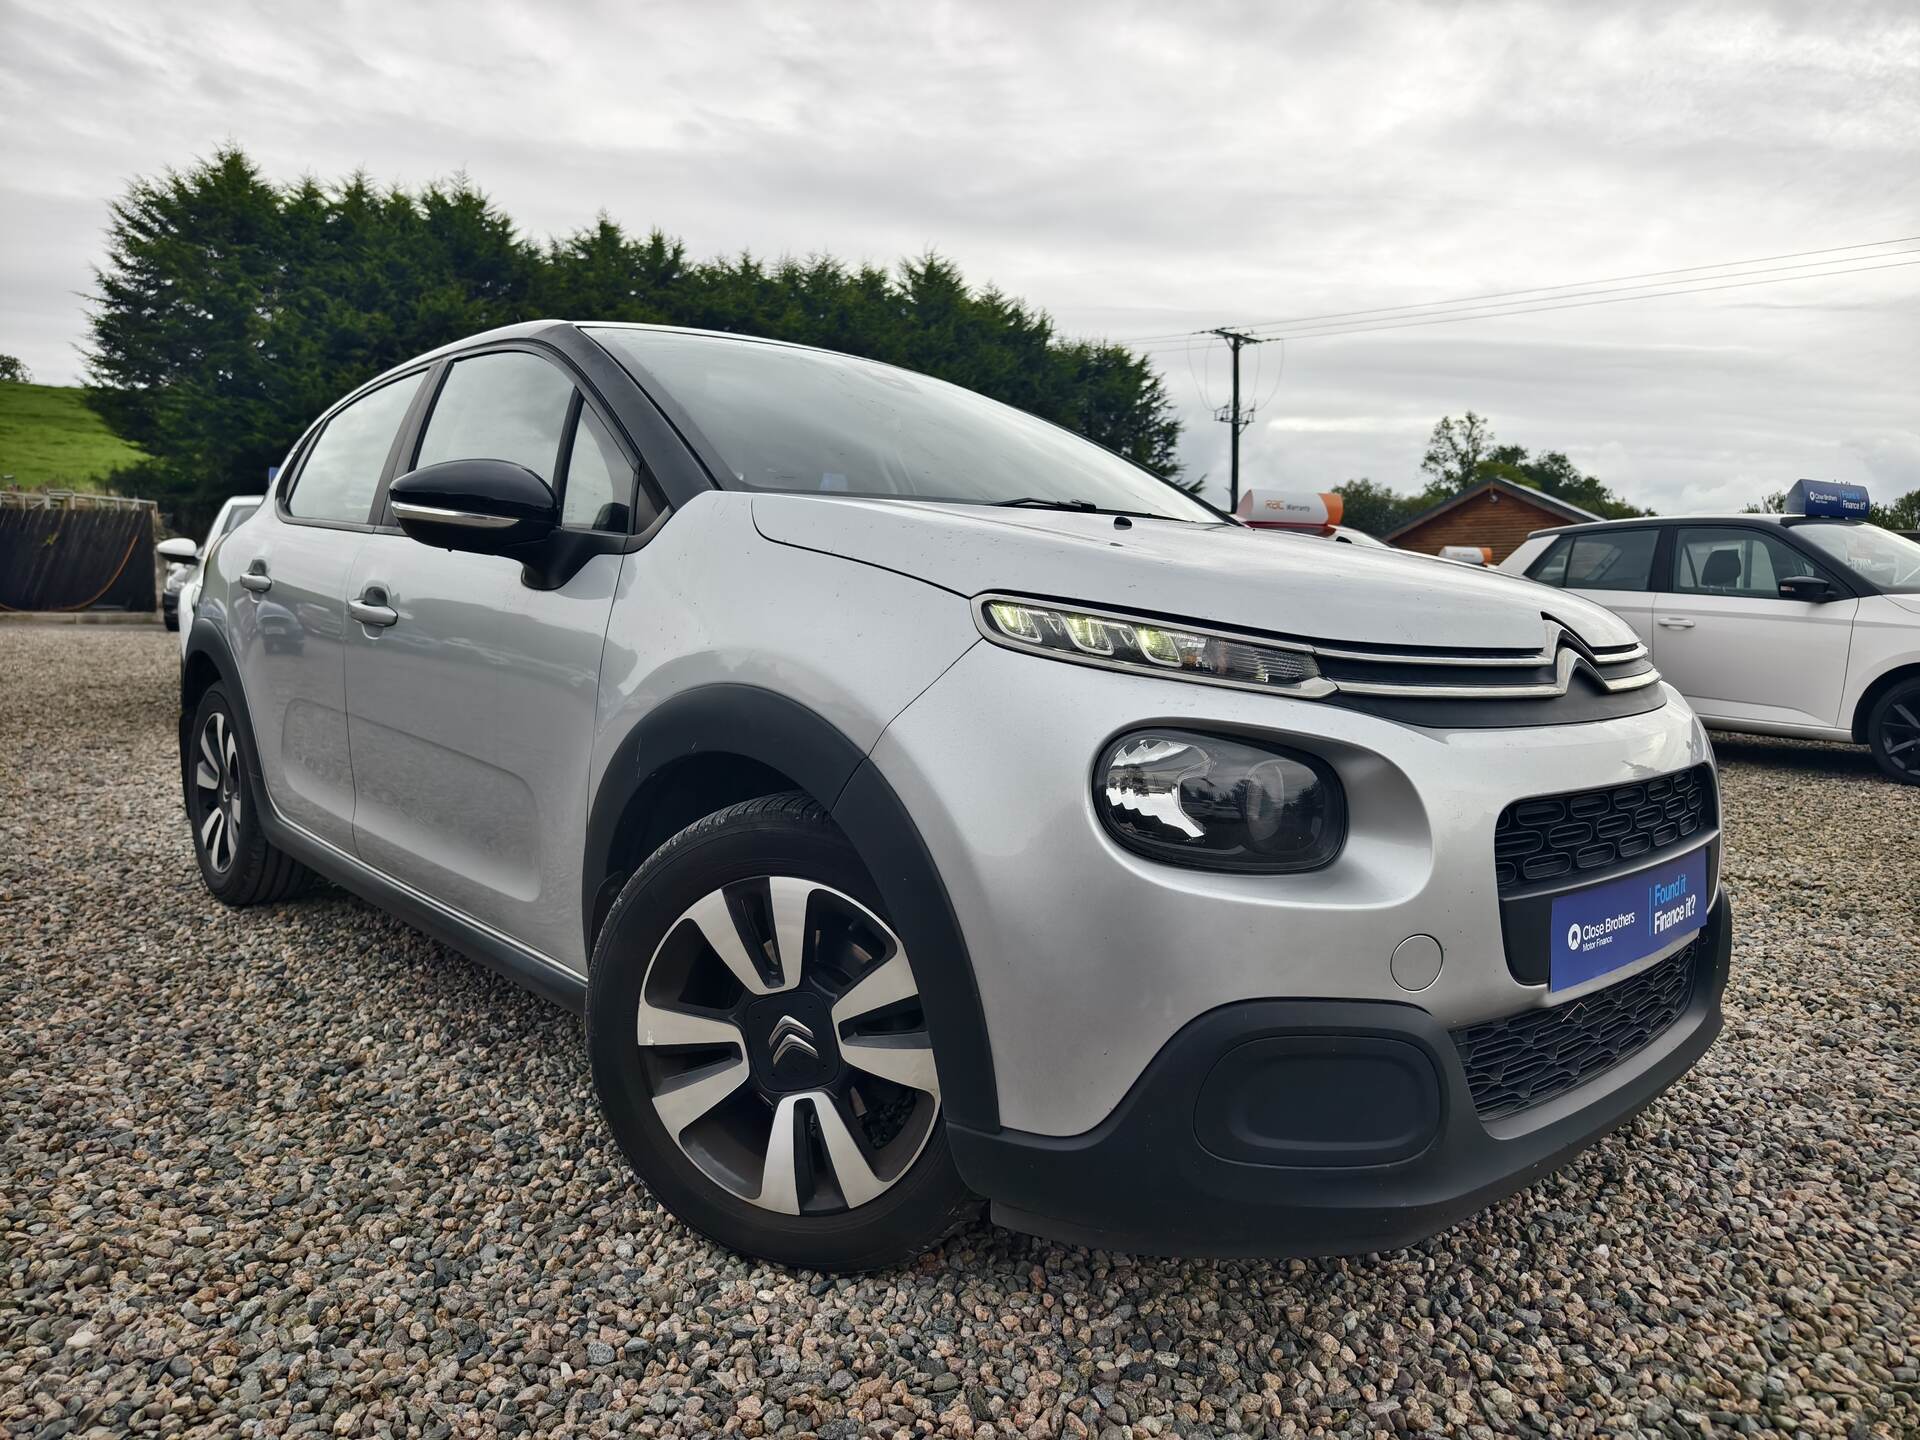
(486, 507)
(1811, 588)
(494, 507)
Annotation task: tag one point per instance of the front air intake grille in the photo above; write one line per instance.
(1519, 1062)
(1558, 835)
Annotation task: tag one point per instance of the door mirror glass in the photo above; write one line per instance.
(179, 548)
(486, 507)
(1807, 587)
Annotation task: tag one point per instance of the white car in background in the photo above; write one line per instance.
(1800, 625)
(188, 560)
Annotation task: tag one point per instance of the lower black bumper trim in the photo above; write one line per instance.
(1144, 1182)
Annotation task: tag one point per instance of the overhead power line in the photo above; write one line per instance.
(1728, 269)
(1524, 308)
(1574, 293)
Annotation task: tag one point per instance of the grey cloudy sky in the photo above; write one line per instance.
(1133, 169)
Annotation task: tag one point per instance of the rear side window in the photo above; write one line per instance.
(1599, 560)
(343, 467)
(505, 406)
(1551, 567)
(1612, 560)
(1733, 561)
(236, 515)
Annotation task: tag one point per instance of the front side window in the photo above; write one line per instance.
(784, 418)
(599, 488)
(505, 406)
(1880, 557)
(344, 465)
(1735, 561)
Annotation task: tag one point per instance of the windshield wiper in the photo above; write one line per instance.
(1084, 507)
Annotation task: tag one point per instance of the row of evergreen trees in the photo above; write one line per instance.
(232, 310)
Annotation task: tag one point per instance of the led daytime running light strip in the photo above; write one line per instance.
(1211, 657)
(1117, 643)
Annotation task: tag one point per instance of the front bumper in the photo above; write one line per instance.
(1089, 959)
(1381, 1144)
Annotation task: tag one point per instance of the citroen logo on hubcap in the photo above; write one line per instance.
(790, 1035)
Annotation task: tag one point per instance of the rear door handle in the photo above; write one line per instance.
(372, 608)
(1675, 622)
(256, 579)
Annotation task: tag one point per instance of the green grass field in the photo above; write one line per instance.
(50, 440)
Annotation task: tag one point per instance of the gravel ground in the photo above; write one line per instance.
(301, 1170)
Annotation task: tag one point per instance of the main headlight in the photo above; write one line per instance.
(1180, 652)
(1220, 803)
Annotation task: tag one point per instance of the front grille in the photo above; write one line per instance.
(1555, 835)
(1529, 1058)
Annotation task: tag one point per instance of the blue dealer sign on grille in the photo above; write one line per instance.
(1615, 923)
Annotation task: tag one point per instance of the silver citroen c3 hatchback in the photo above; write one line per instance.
(931, 810)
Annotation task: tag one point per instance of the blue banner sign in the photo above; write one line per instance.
(1614, 923)
(1817, 497)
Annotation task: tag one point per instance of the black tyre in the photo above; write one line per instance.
(1893, 731)
(240, 865)
(759, 1047)
(170, 620)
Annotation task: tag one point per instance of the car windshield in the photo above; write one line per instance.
(789, 419)
(1888, 561)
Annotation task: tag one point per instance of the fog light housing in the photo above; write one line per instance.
(1219, 803)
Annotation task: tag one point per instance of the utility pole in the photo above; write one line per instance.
(1233, 415)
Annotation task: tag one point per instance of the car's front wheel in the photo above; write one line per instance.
(760, 1048)
(1893, 730)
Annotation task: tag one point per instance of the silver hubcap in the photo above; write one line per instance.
(786, 1048)
(216, 781)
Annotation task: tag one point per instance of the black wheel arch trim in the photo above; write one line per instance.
(207, 640)
(1891, 679)
(776, 731)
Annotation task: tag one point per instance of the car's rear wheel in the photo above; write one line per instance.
(240, 865)
(1893, 730)
(760, 1048)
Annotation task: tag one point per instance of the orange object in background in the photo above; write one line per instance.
(1291, 510)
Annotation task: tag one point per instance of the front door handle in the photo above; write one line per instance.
(256, 579)
(1675, 622)
(372, 608)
